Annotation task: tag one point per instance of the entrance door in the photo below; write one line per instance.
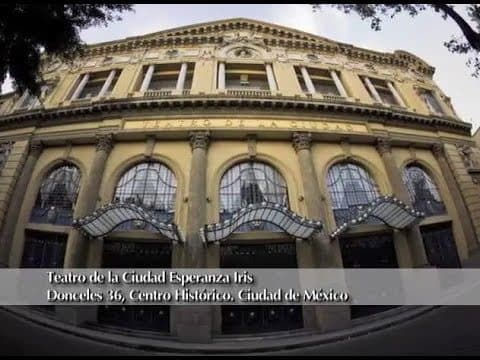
(372, 251)
(129, 254)
(259, 318)
(440, 246)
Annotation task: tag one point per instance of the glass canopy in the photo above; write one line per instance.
(107, 218)
(388, 209)
(264, 212)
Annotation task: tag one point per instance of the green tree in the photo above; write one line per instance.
(468, 43)
(32, 32)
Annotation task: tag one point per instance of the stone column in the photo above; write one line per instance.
(338, 83)
(16, 201)
(395, 93)
(181, 77)
(413, 235)
(80, 87)
(307, 80)
(194, 323)
(272, 85)
(77, 245)
(147, 79)
(107, 83)
(320, 251)
(221, 76)
(465, 220)
(372, 89)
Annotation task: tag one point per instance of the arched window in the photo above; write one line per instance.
(423, 191)
(57, 196)
(351, 188)
(150, 185)
(250, 183)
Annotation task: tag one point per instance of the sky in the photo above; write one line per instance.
(423, 36)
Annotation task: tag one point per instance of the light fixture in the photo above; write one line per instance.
(108, 217)
(388, 209)
(264, 212)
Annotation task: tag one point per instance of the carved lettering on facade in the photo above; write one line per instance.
(307, 125)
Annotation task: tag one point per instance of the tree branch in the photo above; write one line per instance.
(470, 34)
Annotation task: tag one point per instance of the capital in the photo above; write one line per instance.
(301, 140)
(104, 142)
(199, 139)
(438, 150)
(384, 145)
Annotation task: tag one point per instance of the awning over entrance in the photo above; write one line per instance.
(275, 214)
(107, 218)
(388, 209)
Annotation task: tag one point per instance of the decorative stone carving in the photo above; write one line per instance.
(244, 37)
(206, 55)
(467, 156)
(199, 139)
(384, 146)
(104, 142)
(5, 150)
(243, 52)
(301, 140)
(172, 53)
(36, 147)
(438, 150)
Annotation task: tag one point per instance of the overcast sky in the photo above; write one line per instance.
(422, 36)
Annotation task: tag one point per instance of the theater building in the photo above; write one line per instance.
(149, 151)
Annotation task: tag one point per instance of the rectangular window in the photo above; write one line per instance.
(29, 101)
(322, 80)
(431, 101)
(166, 76)
(95, 84)
(381, 88)
(246, 76)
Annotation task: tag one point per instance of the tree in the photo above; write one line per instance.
(30, 33)
(469, 43)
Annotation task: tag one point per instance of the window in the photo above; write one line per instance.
(29, 101)
(95, 84)
(167, 77)
(150, 185)
(57, 196)
(246, 76)
(423, 191)
(431, 101)
(250, 183)
(382, 91)
(323, 81)
(351, 189)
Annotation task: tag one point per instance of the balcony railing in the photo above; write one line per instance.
(157, 93)
(248, 92)
(331, 97)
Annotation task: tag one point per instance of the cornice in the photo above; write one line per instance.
(317, 106)
(273, 35)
